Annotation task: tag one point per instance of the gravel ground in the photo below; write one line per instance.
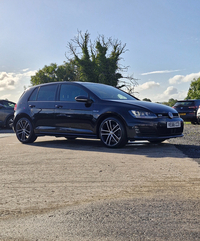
(189, 144)
(62, 192)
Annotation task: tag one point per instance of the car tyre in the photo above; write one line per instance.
(112, 133)
(9, 122)
(24, 131)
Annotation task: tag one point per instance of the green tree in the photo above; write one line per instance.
(171, 102)
(53, 72)
(194, 90)
(95, 62)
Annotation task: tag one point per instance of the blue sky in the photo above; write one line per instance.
(162, 38)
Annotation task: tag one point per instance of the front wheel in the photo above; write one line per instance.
(112, 133)
(24, 131)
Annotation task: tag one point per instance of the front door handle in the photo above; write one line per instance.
(59, 106)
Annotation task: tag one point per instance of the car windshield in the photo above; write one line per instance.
(108, 92)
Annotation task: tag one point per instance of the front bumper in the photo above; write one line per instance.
(154, 130)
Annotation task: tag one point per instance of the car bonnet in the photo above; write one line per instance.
(153, 107)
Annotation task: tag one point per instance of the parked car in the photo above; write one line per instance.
(81, 109)
(198, 115)
(6, 113)
(187, 110)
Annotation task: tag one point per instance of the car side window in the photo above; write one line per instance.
(47, 93)
(33, 96)
(70, 92)
(8, 104)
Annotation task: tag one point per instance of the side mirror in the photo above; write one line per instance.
(82, 98)
(1, 106)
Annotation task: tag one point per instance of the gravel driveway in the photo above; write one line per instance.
(62, 190)
(189, 144)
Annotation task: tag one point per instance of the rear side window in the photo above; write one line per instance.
(33, 96)
(44, 93)
(7, 104)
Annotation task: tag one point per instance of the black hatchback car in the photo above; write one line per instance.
(6, 113)
(82, 109)
(187, 110)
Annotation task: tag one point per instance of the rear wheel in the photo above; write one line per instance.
(24, 131)
(112, 133)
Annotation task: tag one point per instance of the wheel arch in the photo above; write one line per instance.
(110, 114)
(21, 115)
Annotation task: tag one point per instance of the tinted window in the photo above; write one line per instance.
(69, 92)
(33, 96)
(7, 104)
(185, 103)
(47, 93)
(109, 92)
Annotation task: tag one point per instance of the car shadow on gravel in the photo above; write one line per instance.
(132, 148)
(192, 151)
(138, 147)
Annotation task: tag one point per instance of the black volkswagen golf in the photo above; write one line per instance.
(91, 110)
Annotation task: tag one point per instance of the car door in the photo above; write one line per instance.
(6, 111)
(42, 108)
(72, 117)
(2, 113)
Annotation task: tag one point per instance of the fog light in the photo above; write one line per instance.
(137, 130)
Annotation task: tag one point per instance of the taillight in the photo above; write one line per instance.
(15, 107)
(192, 107)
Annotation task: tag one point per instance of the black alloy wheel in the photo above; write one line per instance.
(112, 133)
(24, 131)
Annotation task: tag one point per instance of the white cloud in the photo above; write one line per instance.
(161, 72)
(12, 84)
(177, 79)
(9, 81)
(147, 85)
(7, 96)
(171, 90)
(24, 70)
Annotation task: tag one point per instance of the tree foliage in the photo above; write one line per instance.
(171, 102)
(95, 62)
(53, 72)
(92, 62)
(194, 90)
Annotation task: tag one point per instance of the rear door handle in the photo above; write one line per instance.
(59, 106)
(31, 106)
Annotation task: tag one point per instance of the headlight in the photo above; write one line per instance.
(143, 114)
